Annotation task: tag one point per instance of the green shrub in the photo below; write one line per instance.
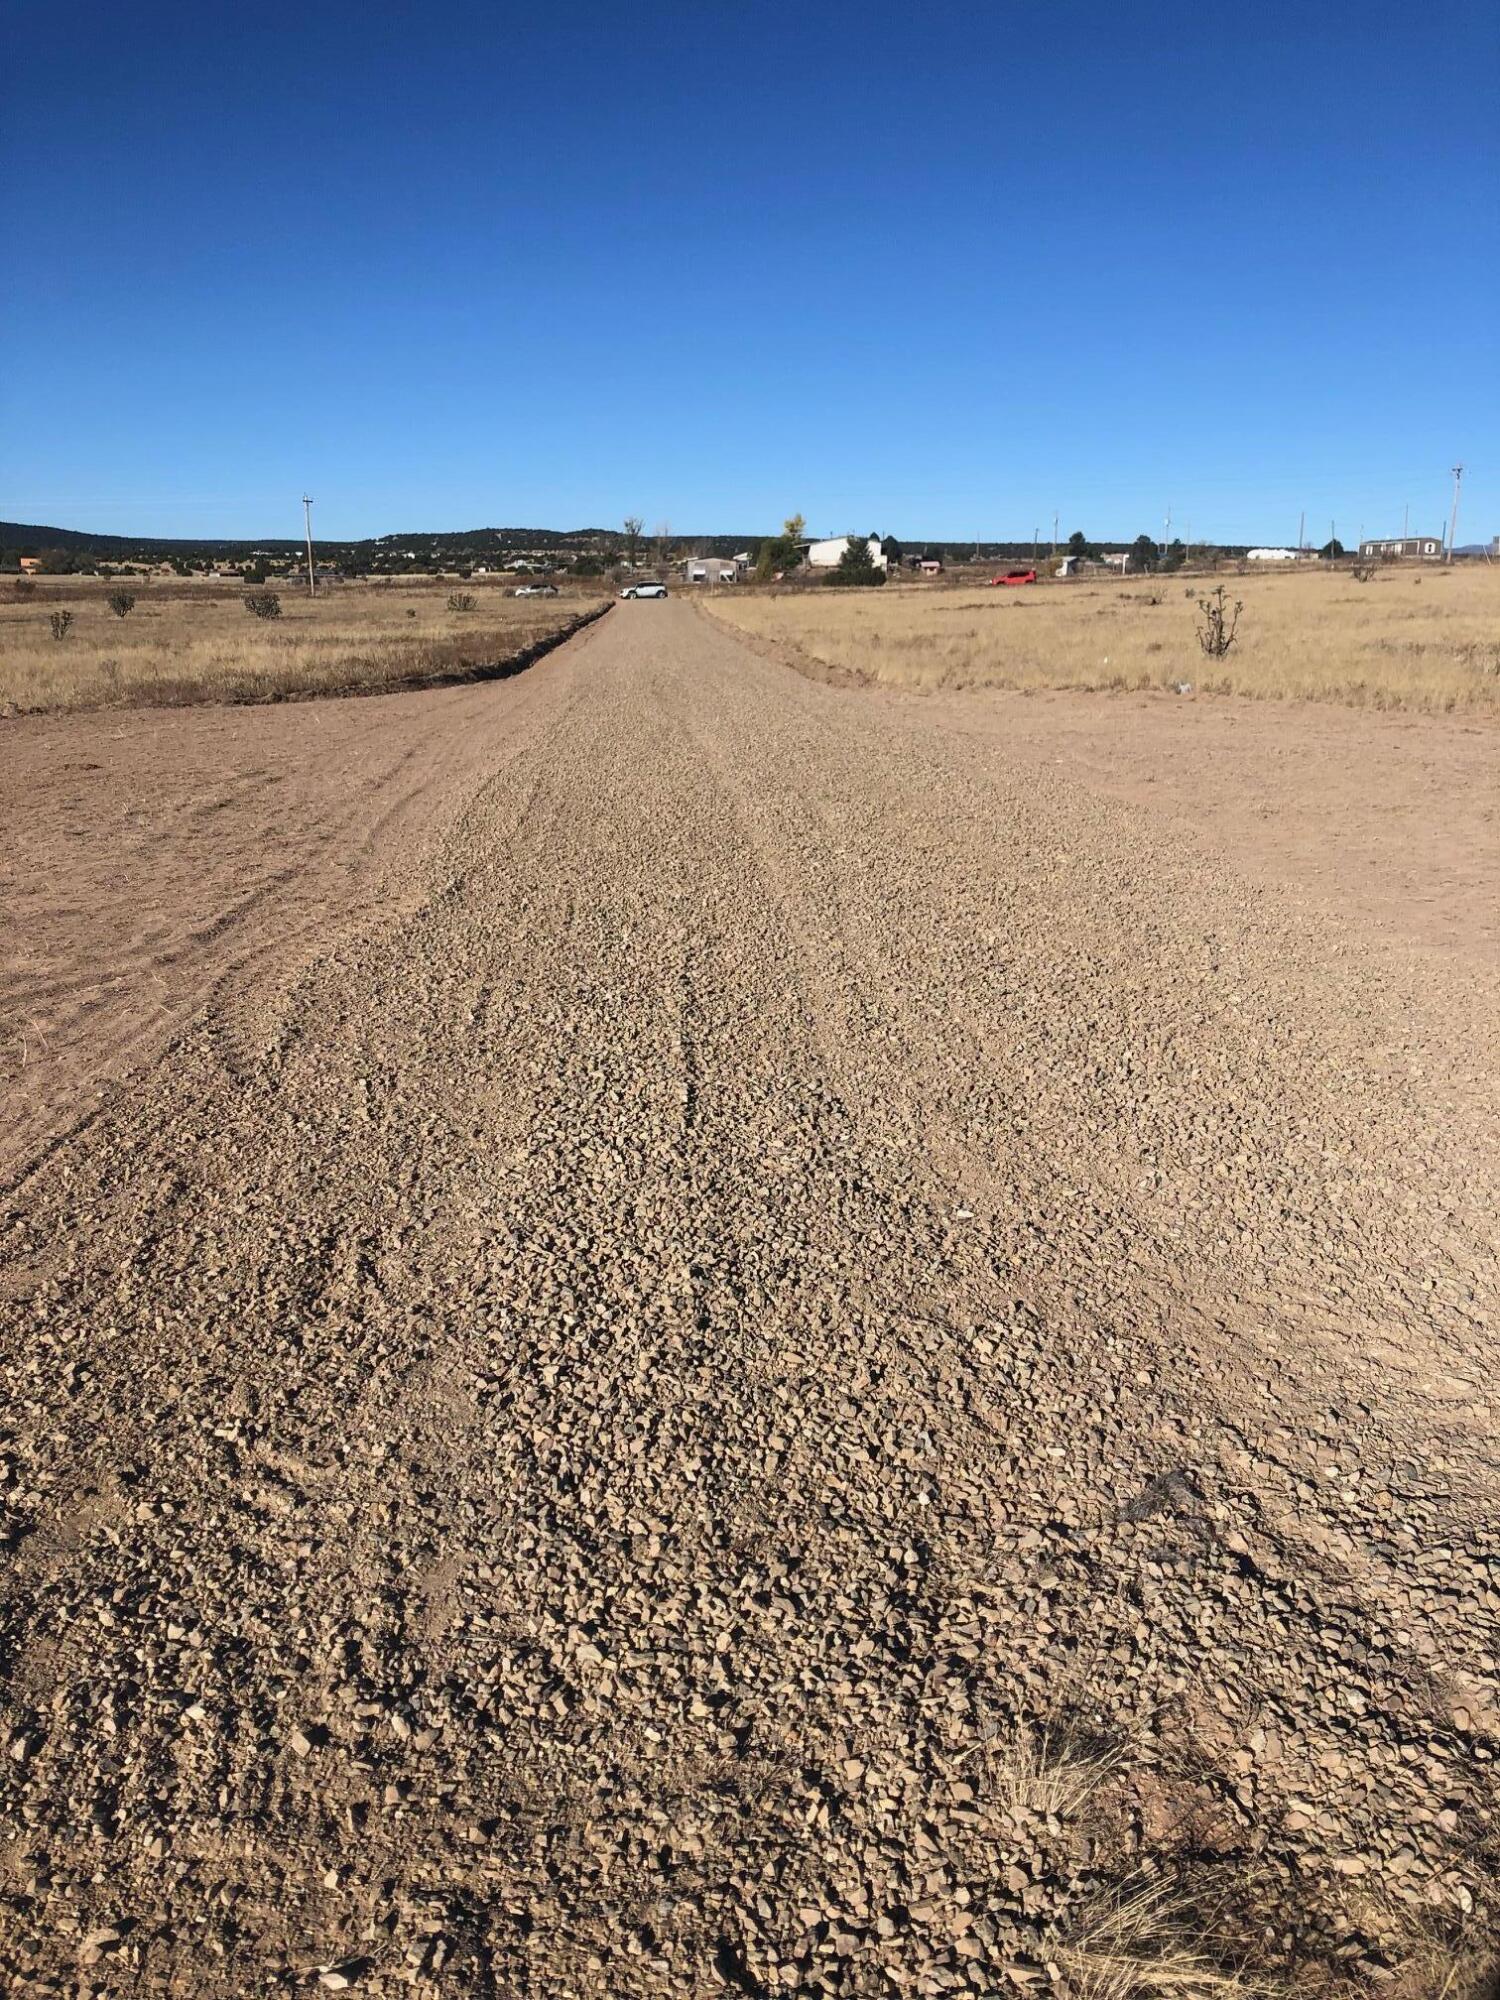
(263, 604)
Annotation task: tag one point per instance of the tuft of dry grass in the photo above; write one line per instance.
(1142, 1946)
(1427, 640)
(200, 644)
(1034, 1774)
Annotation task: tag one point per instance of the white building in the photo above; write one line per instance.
(1272, 555)
(710, 569)
(829, 554)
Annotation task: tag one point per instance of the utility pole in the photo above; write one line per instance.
(1406, 520)
(1167, 536)
(312, 584)
(1036, 545)
(1054, 534)
(1458, 480)
(1302, 531)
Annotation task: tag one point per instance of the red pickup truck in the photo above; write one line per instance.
(1012, 577)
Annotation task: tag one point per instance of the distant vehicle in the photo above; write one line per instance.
(1012, 577)
(535, 590)
(644, 590)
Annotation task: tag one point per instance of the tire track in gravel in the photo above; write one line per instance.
(522, 1480)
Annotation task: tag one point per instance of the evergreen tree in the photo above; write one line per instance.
(857, 565)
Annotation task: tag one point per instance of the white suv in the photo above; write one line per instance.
(644, 590)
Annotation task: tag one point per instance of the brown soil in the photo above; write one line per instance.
(621, 1289)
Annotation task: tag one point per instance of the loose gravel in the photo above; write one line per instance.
(825, 1355)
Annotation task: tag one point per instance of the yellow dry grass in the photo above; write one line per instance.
(1408, 639)
(197, 643)
(1143, 1945)
(1032, 1774)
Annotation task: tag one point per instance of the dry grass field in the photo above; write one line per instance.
(197, 642)
(1426, 640)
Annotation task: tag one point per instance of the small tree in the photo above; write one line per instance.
(633, 526)
(1143, 554)
(1175, 556)
(779, 553)
(1216, 633)
(121, 602)
(1332, 551)
(263, 604)
(60, 622)
(857, 564)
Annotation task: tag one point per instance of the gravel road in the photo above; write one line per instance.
(752, 1267)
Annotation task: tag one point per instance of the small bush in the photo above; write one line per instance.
(460, 600)
(1216, 633)
(121, 602)
(263, 604)
(24, 587)
(1362, 572)
(60, 622)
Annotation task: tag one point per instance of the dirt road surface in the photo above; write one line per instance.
(624, 1296)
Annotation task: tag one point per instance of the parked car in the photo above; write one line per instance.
(1012, 577)
(644, 590)
(535, 590)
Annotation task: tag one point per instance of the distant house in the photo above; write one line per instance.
(930, 566)
(1272, 555)
(829, 554)
(30, 565)
(1412, 548)
(710, 569)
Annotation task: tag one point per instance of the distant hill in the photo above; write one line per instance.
(29, 535)
(381, 554)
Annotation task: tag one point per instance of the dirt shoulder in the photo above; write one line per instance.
(151, 857)
(1390, 821)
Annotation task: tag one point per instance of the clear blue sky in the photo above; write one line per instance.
(933, 270)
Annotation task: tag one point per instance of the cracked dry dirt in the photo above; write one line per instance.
(751, 1260)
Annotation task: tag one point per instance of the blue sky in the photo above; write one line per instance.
(936, 271)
